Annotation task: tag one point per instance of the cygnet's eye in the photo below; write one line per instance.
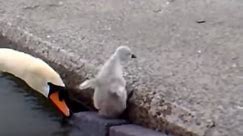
(133, 56)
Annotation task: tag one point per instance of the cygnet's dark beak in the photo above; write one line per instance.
(133, 56)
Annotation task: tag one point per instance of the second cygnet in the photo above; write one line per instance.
(110, 95)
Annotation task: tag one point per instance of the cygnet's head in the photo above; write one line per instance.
(124, 53)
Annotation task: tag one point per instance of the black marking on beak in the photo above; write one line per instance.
(61, 90)
(73, 104)
(133, 56)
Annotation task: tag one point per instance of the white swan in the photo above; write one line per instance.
(110, 96)
(37, 74)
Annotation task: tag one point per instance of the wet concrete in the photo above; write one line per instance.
(188, 75)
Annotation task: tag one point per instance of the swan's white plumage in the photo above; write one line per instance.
(110, 94)
(34, 71)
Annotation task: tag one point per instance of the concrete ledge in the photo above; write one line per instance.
(184, 69)
(91, 124)
(132, 130)
(73, 70)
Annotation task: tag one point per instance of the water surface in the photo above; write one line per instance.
(25, 112)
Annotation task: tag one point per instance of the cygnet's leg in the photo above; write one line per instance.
(97, 103)
(102, 108)
(107, 111)
(98, 99)
(130, 94)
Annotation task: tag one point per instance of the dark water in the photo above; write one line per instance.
(25, 112)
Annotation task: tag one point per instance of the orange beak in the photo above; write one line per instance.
(61, 105)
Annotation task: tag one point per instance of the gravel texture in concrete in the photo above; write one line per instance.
(188, 76)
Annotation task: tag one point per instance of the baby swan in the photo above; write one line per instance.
(110, 95)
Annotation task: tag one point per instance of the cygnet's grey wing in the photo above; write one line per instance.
(117, 87)
(91, 83)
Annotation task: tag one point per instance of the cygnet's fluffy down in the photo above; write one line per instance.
(110, 95)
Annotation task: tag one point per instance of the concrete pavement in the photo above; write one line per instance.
(188, 76)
